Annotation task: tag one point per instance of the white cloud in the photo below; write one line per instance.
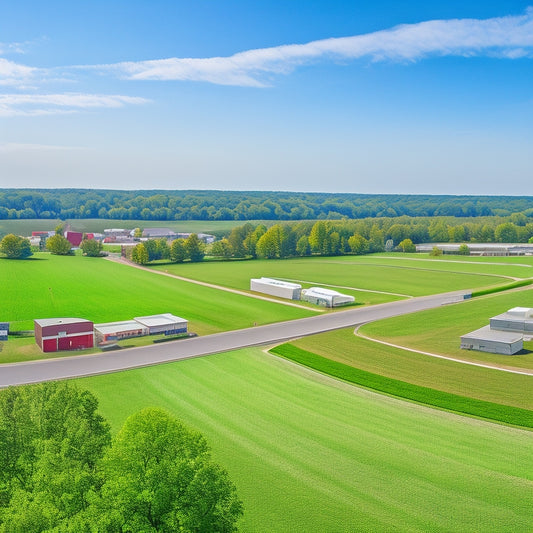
(47, 104)
(16, 74)
(506, 37)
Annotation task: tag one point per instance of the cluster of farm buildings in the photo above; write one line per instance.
(294, 291)
(116, 236)
(58, 334)
(505, 333)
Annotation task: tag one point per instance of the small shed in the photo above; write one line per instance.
(57, 334)
(4, 331)
(165, 323)
(275, 287)
(489, 340)
(115, 331)
(326, 297)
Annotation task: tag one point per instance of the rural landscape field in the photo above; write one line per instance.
(266, 267)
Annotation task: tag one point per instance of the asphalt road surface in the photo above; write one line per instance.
(88, 365)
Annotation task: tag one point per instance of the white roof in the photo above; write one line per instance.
(485, 333)
(279, 283)
(521, 311)
(323, 292)
(165, 319)
(58, 321)
(117, 327)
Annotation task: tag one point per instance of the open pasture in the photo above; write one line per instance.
(309, 453)
(357, 272)
(103, 291)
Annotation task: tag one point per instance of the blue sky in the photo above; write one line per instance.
(368, 97)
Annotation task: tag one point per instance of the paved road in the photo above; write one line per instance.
(87, 365)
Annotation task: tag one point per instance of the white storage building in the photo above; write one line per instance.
(492, 341)
(275, 287)
(165, 323)
(116, 331)
(326, 297)
(518, 319)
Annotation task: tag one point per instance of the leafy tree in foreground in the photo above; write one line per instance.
(58, 245)
(14, 247)
(407, 246)
(160, 477)
(91, 247)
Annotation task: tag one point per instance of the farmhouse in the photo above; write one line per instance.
(116, 331)
(74, 237)
(490, 340)
(274, 287)
(164, 323)
(518, 319)
(326, 297)
(57, 334)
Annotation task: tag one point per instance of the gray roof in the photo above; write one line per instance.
(165, 319)
(485, 333)
(118, 327)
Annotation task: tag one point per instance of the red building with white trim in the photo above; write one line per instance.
(57, 334)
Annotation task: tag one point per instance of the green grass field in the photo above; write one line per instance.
(26, 226)
(347, 272)
(102, 291)
(309, 453)
(439, 330)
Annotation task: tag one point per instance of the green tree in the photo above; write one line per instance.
(195, 248)
(137, 233)
(221, 248)
(178, 253)
(436, 252)
(506, 232)
(91, 247)
(319, 239)
(358, 244)
(51, 439)
(159, 476)
(58, 245)
(14, 247)
(463, 250)
(273, 244)
(139, 254)
(302, 246)
(407, 246)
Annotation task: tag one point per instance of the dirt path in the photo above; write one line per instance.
(493, 367)
(211, 285)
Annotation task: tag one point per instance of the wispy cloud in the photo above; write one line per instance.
(47, 104)
(508, 37)
(15, 74)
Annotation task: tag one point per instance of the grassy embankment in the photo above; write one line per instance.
(309, 453)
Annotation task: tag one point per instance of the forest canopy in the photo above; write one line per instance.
(245, 205)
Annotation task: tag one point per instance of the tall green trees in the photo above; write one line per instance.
(195, 248)
(60, 471)
(139, 254)
(177, 251)
(14, 247)
(91, 247)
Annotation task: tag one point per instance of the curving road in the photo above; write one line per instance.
(87, 365)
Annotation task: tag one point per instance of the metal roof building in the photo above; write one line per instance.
(57, 334)
(275, 287)
(165, 323)
(115, 331)
(489, 340)
(326, 297)
(518, 319)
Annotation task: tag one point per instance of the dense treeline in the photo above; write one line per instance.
(241, 205)
(339, 237)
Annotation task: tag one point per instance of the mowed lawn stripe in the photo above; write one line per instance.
(309, 453)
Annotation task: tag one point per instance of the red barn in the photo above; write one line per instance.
(57, 334)
(74, 237)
